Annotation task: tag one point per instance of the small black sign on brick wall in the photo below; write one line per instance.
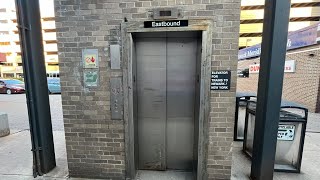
(220, 80)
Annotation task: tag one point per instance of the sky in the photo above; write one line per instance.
(46, 6)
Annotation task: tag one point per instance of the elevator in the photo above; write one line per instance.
(166, 100)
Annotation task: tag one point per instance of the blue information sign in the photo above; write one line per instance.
(297, 39)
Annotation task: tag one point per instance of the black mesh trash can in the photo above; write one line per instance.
(240, 113)
(291, 134)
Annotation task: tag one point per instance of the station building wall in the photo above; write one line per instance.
(95, 143)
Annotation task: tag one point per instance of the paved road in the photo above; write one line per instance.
(16, 107)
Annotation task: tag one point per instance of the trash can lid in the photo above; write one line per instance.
(284, 104)
(245, 94)
(290, 116)
(290, 104)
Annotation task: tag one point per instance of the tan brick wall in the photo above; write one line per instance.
(95, 144)
(302, 86)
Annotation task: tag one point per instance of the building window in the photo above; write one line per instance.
(49, 30)
(20, 75)
(8, 75)
(4, 32)
(53, 64)
(51, 42)
(48, 19)
(52, 53)
(4, 43)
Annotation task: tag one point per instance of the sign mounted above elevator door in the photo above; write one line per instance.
(172, 23)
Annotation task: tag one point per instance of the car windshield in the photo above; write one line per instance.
(53, 81)
(10, 82)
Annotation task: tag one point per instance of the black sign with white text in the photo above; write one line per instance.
(159, 24)
(220, 80)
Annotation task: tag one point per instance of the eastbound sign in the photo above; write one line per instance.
(172, 23)
(290, 66)
(220, 80)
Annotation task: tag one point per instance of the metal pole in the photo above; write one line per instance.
(30, 31)
(272, 60)
(318, 99)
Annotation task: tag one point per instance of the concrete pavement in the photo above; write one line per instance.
(16, 157)
(309, 169)
(16, 161)
(15, 149)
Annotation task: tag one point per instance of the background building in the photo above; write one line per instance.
(10, 43)
(303, 13)
(302, 82)
(302, 70)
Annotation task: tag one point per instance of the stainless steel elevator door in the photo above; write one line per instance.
(181, 73)
(166, 71)
(151, 91)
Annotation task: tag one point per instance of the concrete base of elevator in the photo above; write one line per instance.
(161, 175)
(241, 164)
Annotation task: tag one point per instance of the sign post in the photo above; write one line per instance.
(29, 24)
(274, 41)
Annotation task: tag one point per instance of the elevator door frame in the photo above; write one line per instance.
(127, 30)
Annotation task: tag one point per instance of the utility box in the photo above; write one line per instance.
(240, 114)
(291, 134)
(4, 125)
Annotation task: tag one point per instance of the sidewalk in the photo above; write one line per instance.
(16, 160)
(309, 168)
(16, 157)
